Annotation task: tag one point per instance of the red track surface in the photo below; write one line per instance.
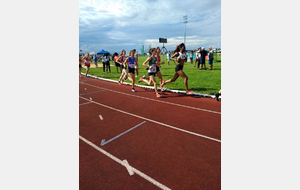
(178, 159)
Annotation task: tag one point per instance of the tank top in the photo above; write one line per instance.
(87, 60)
(152, 63)
(182, 55)
(131, 62)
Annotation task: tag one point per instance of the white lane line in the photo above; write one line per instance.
(156, 100)
(85, 103)
(101, 117)
(166, 125)
(91, 92)
(128, 167)
(153, 181)
(103, 140)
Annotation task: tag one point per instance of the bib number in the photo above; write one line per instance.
(153, 70)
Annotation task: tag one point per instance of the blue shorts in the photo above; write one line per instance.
(210, 62)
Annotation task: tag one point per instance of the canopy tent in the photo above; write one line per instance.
(102, 52)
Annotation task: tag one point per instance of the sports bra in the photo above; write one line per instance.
(182, 55)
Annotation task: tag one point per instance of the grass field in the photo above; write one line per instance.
(205, 81)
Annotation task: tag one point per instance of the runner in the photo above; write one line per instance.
(152, 70)
(157, 70)
(121, 60)
(80, 61)
(131, 68)
(181, 59)
(87, 63)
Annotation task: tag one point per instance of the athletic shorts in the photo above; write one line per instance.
(178, 68)
(117, 64)
(131, 70)
(169, 58)
(149, 74)
(80, 66)
(157, 69)
(210, 62)
(87, 64)
(122, 67)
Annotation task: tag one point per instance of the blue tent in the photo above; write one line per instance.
(102, 52)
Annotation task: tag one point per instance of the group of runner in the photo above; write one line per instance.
(153, 64)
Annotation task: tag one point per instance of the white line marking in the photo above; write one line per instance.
(189, 132)
(153, 181)
(103, 140)
(128, 167)
(91, 92)
(85, 103)
(101, 117)
(157, 100)
(91, 99)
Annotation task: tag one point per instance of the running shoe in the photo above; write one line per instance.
(119, 83)
(217, 96)
(85, 75)
(158, 95)
(189, 92)
(136, 75)
(141, 79)
(122, 81)
(125, 77)
(163, 83)
(133, 90)
(144, 77)
(163, 89)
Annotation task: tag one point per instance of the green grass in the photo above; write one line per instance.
(205, 81)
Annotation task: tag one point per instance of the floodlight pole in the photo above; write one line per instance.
(185, 21)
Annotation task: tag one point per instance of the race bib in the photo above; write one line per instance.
(153, 70)
(87, 61)
(182, 56)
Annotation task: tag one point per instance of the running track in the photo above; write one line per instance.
(133, 140)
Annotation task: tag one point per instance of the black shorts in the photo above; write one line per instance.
(122, 67)
(80, 66)
(157, 69)
(149, 74)
(107, 63)
(178, 68)
(131, 70)
(117, 64)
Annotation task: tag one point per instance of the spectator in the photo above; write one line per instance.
(210, 58)
(198, 57)
(107, 64)
(191, 57)
(96, 60)
(103, 63)
(169, 56)
(203, 53)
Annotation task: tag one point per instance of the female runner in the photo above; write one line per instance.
(87, 63)
(157, 70)
(131, 68)
(181, 59)
(121, 60)
(152, 70)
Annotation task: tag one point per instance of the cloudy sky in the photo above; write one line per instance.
(114, 25)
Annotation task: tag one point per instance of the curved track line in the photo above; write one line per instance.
(166, 125)
(153, 181)
(154, 99)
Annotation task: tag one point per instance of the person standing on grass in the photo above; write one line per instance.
(87, 63)
(198, 57)
(121, 61)
(181, 59)
(152, 60)
(203, 53)
(103, 63)
(107, 64)
(131, 68)
(168, 57)
(191, 56)
(96, 60)
(116, 56)
(210, 58)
